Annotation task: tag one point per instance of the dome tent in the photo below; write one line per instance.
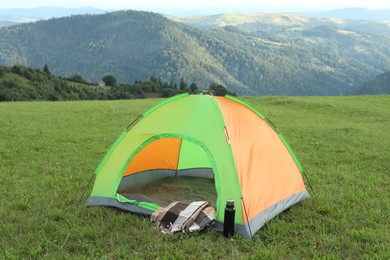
(219, 148)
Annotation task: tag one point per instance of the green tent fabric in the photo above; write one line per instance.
(201, 147)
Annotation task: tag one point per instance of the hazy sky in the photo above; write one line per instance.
(187, 5)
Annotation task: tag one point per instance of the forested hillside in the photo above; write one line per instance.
(378, 86)
(278, 60)
(20, 83)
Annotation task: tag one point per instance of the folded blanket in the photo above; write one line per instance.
(184, 217)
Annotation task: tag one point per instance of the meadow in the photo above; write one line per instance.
(49, 151)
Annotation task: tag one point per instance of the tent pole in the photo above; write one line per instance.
(134, 121)
(86, 188)
(247, 219)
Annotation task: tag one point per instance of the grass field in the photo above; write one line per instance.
(49, 151)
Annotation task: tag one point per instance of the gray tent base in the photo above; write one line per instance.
(247, 230)
(110, 202)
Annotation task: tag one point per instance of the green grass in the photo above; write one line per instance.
(49, 151)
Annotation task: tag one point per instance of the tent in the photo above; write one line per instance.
(201, 147)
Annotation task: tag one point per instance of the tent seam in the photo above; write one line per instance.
(215, 102)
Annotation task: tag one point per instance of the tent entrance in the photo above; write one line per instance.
(169, 169)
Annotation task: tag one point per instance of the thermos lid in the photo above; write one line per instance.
(230, 203)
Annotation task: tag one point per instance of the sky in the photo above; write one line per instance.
(207, 6)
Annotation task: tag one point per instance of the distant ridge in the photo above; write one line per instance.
(253, 22)
(6, 23)
(47, 12)
(258, 54)
(42, 13)
(356, 14)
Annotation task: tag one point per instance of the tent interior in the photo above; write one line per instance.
(167, 170)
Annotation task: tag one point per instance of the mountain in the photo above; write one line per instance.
(284, 55)
(277, 21)
(42, 13)
(356, 14)
(131, 45)
(47, 12)
(377, 86)
(6, 23)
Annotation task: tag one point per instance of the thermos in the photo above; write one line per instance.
(228, 222)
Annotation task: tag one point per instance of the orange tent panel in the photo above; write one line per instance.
(266, 171)
(159, 154)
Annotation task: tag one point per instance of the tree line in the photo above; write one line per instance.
(20, 83)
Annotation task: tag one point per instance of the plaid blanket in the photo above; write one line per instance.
(184, 217)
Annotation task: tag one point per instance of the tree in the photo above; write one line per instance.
(2, 71)
(46, 70)
(193, 87)
(110, 80)
(217, 89)
(172, 85)
(78, 78)
(182, 84)
(168, 92)
(17, 69)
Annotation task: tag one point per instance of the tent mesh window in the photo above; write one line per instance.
(162, 172)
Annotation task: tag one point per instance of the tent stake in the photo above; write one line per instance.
(308, 181)
(82, 196)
